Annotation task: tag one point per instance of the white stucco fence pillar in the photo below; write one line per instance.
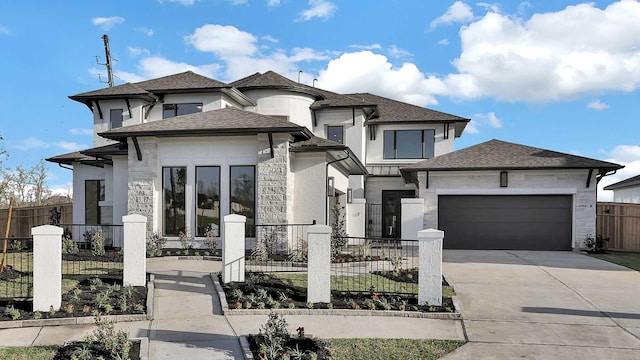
(47, 267)
(319, 264)
(412, 217)
(233, 248)
(430, 265)
(135, 250)
(355, 217)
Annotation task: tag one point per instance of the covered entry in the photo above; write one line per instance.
(515, 222)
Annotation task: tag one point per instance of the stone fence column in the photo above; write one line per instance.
(135, 250)
(319, 264)
(233, 248)
(47, 267)
(430, 265)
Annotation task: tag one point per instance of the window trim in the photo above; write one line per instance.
(395, 149)
(175, 110)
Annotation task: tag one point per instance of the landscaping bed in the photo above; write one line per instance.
(274, 291)
(89, 297)
(67, 351)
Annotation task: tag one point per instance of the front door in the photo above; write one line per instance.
(391, 212)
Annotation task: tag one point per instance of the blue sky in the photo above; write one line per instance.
(561, 75)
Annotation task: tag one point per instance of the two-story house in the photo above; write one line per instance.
(186, 150)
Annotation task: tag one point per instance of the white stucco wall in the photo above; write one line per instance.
(81, 173)
(210, 101)
(128, 118)
(120, 181)
(627, 195)
(375, 147)
(295, 106)
(375, 185)
(523, 182)
(309, 191)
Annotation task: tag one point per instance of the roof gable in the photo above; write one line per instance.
(632, 181)
(390, 110)
(502, 155)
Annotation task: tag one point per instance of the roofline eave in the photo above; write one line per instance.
(200, 132)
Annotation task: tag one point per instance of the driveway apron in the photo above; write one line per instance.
(545, 305)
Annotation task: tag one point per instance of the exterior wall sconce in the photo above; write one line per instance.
(504, 179)
(349, 195)
(331, 189)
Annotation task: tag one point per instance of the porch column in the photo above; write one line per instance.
(319, 264)
(135, 250)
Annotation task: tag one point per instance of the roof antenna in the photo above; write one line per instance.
(108, 63)
(299, 73)
(314, 82)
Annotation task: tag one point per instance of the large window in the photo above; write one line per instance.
(408, 144)
(335, 133)
(174, 180)
(93, 194)
(207, 200)
(171, 110)
(243, 199)
(116, 118)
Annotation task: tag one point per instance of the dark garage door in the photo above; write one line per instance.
(514, 222)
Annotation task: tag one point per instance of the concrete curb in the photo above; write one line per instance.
(343, 312)
(246, 351)
(144, 347)
(84, 320)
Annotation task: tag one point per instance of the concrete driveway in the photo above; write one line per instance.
(545, 305)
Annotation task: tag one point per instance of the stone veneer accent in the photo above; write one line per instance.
(142, 174)
(274, 186)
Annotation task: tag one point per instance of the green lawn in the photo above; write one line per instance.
(401, 349)
(358, 283)
(28, 353)
(628, 259)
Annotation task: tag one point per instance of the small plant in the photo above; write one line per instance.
(275, 332)
(155, 244)
(37, 315)
(238, 305)
(275, 305)
(282, 296)
(338, 231)
(237, 294)
(300, 252)
(309, 305)
(595, 245)
(396, 262)
(13, 312)
(95, 312)
(75, 295)
(330, 306)
(86, 309)
(101, 299)
(97, 243)
(261, 293)
(69, 308)
(117, 343)
(364, 249)
(261, 305)
(95, 281)
(292, 305)
(69, 246)
(122, 303)
(108, 309)
(210, 240)
(16, 245)
(138, 308)
(128, 291)
(186, 241)
(248, 304)
(84, 353)
(52, 311)
(300, 331)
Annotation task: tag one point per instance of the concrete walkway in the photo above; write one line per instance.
(545, 305)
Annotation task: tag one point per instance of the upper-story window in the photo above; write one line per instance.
(408, 144)
(335, 133)
(115, 117)
(171, 110)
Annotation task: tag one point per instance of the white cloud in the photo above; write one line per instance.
(181, 2)
(80, 131)
(318, 8)
(444, 41)
(495, 7)
(368, 72)
(366, 47)
(574, 52)
(273, 3)
(70, 145)
(597, 105)
(237, 2)
(5, 30)
(396, 52)
(107, 23)
(28, 143)
(480, 120)
(137, 51)
(627, 155)
(457, 13)
(222, 40)
(156, 66)
(269, 38)
(146, 31)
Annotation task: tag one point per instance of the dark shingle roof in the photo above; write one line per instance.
(228, 121)
(69, 158)
(316, 142)
(632, 181)
(340, 155)
(184, 82)
(496, 154)
(107, 151)
(390, 111)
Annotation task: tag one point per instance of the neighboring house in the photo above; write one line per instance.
(626, 191)
(186, 150)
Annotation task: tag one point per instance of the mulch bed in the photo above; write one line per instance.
(276, 290)
(85, 303)
(67, 351)
(303, 344)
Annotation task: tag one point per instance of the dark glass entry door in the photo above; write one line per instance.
(391, 212)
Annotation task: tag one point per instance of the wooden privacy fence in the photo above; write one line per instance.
(620, 222)
(23, 219)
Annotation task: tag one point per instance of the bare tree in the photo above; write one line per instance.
(39, 191)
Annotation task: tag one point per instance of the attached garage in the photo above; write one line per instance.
(516, 222)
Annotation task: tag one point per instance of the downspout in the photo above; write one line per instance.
(64, 167)
(326, 182)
